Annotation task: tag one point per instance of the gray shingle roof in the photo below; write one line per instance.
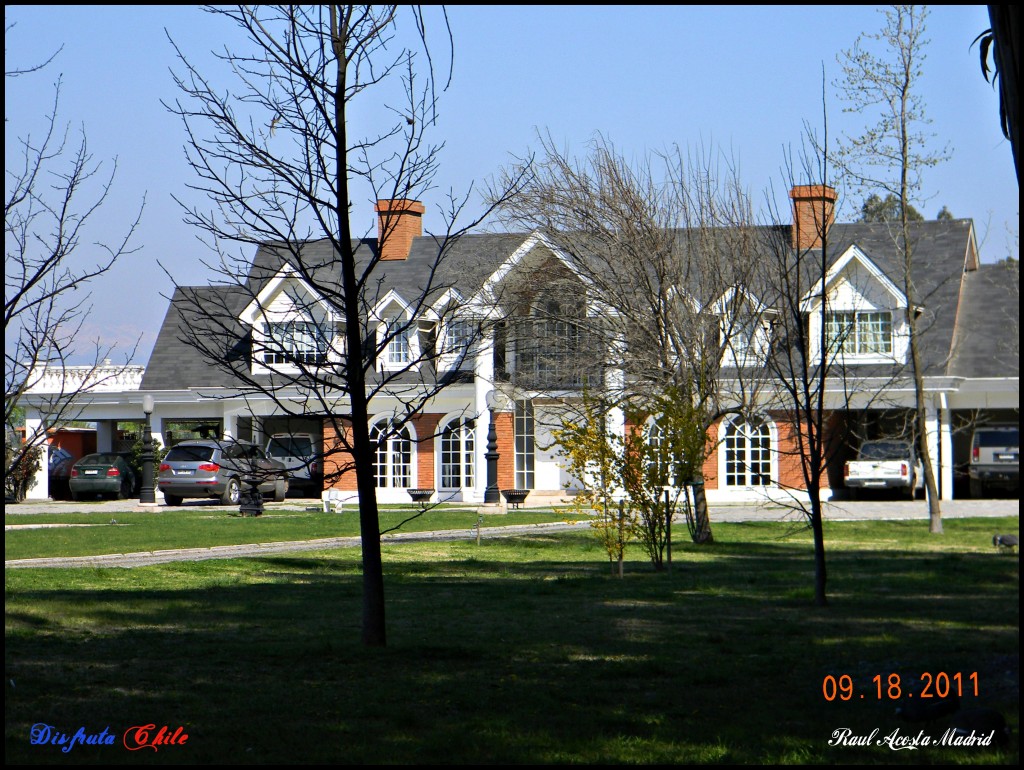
(940, 251)
(987, 340)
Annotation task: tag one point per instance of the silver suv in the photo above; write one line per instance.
(219, 469)
(995, 459)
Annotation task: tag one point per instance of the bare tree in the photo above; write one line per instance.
(665, 251)
(892, 155)
(805, 361)
(52, 193)
(277, 157)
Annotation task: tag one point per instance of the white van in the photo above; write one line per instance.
(300, 455)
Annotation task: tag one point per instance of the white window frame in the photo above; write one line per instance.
(525, 440)
(309, 346)
(457, 454)
(398, 341)
(394, 456)
(737, 472)
(456, 340)
(853, 342)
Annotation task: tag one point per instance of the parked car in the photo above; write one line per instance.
(61, 461)
(995, 459)
(209, 468)
(104, 474)
(885, 464)
(298, 453)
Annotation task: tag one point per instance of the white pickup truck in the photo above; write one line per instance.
(885, 464)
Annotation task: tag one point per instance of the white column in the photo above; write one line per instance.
(156, 427)
(39, 487)
(105, 435)
(946, 447)
(932, 429)
(230, 424)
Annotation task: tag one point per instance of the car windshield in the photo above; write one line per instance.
(289, 446)
(885, 450)
(99, 459)
(997, 438)
(189, 454)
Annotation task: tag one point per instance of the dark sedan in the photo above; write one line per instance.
(106, 474)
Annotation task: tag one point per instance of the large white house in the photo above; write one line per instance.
(282, 321)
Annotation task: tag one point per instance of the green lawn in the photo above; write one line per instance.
(519, 650)
(203, 527)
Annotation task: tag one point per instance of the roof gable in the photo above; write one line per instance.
(854, 280)
(281, 296)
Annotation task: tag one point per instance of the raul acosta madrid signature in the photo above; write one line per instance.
(134, 738)
(896, 741)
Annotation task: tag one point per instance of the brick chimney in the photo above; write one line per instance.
(814, 208)
(398, 222)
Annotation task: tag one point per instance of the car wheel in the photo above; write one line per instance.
(172, 499)
(977, 489)
(75, 496)
(280, 490)
(232, 493)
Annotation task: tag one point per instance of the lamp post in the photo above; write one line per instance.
(491, 494)
(147, 495)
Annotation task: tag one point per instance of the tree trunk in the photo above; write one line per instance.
(701, 532)
(374, 631)
(820, 574)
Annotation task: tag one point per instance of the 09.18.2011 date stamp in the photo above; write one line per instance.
(928, 685)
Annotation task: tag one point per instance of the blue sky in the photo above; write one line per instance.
(743, 80)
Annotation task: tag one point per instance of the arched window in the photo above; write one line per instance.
(457, 445)
(394, 454)
(748, 457)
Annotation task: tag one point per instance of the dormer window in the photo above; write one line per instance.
(458, 336)
(853, 333)
(399, 349)
(295, 342)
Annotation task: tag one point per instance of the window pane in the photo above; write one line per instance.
(398, 348)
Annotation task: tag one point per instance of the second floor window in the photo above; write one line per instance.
(295, 342)
(859, 333)
(399, 350)
(459, 334)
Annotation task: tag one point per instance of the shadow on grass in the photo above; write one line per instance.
(515, 651)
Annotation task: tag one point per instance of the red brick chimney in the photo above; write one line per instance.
(814, 208)
(398, 222)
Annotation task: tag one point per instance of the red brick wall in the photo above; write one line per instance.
(335, 458)
(710, 468)
(425, 427)
(504, 430)
(790, 469)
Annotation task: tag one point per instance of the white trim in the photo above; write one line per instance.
(747, 490)
(257, 308)
(465, 491)
(810, 302)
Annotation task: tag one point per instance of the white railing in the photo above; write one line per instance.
(99, 378)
